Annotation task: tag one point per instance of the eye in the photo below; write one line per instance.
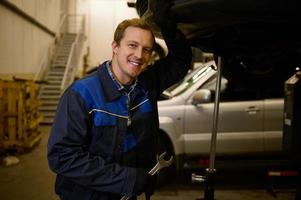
(148, 50)
(132, 45)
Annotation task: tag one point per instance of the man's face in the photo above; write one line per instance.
(132, 55)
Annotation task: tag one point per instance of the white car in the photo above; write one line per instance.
(250, 121)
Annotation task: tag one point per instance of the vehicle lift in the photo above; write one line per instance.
(209, 178)
(292, 124)
(291, 142)
(291, 133)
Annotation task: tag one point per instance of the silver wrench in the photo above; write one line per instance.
(160, 164)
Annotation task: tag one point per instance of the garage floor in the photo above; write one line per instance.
(31, 179)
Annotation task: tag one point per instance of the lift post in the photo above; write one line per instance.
(292, 125)
(209, 178)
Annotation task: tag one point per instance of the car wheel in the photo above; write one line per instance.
(166, 175)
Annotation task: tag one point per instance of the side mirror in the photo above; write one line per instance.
(201, 96)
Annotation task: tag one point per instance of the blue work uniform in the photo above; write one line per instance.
(103, 132)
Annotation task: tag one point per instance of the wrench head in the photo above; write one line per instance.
(164, 163)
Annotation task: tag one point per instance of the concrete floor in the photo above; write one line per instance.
(31, 179)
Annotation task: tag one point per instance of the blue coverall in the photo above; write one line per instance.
(102, 132)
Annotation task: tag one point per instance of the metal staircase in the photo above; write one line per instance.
(61, 71)
(51, 91)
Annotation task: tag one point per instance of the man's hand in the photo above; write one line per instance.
(142, 181)
(151, 186)
(164, 19)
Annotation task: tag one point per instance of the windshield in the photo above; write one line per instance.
(190, 79)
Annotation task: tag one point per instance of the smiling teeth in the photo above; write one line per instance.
(134, 63)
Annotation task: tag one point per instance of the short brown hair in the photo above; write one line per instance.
(135, 22)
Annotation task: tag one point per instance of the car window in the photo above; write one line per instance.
(189, 80)
(234, 92)
(210, 84)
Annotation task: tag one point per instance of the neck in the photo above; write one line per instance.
(118, 75)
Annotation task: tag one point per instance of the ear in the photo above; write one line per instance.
(114, 47)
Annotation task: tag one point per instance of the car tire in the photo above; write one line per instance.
(166, 175)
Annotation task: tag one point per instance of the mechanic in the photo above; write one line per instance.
(103, 140)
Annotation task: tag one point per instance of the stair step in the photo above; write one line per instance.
(48, 114)
(61, 59)
(43, 93)
(60, 63)
(63, 52)
(47, 97)
(50, 102)
(47, 121)
(69, 39)
(58, 69)
(52, 87)
(64, 48)
(54, 82)
(47, 91)
(56, 73)
(50, 92)
(48, 108)
(54, 78)
(59, 73)
(67, 43)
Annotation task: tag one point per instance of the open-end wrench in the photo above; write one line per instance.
(160, 164)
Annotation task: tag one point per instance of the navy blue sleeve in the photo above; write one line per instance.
(68, 154)
(172, 68)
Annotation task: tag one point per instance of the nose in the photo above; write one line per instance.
(139, 52)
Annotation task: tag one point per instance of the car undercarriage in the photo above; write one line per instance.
(259, 40)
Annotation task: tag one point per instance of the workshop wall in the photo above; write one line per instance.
(102, 18)
(23, 45)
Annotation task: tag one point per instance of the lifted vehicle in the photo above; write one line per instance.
(259, 40)
(260, 44)
(250, 121)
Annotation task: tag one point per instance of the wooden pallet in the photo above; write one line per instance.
(19, 117)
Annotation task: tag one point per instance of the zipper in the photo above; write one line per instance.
(129, 122)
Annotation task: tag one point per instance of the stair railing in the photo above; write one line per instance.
(49, 53)
(74, 25)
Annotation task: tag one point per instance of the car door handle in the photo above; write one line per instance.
(252, 110)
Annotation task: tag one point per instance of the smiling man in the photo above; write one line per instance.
(103, 140)
(131, 54)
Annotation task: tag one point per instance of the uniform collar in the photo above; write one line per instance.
(111, 86)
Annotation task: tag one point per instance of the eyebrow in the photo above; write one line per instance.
(133, 41)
